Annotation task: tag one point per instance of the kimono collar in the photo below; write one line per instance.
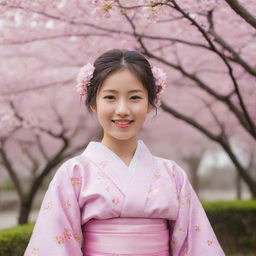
(100, 154)
(138, 174)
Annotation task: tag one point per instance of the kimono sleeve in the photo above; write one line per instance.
(192, 234)
(58, 227)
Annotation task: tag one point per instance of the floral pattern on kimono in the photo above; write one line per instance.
(98, 185)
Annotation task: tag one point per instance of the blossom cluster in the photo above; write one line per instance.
(160, 82)
(83, 79)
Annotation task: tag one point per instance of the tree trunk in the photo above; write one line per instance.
(238, 186)
(195, 178)
(24, 209)
(193, 162)
(242, 172)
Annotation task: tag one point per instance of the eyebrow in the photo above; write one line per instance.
(114, 91)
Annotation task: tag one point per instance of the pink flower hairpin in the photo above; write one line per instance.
(86, 73)
(83, 79)
(161, 83)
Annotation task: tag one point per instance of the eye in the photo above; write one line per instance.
(136, 97)
(109, 97)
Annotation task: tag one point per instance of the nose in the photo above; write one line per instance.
(122, 108)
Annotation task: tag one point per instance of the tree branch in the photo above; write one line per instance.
(222, 140)
(41, 147)
(59, 83)
(11, 42)
(24, 149)
(242, 12)
(10, 169)
(250, 124)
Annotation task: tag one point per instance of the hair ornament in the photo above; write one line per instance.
(160, 77)
(86, 73)
(83, 79)
(161, 83)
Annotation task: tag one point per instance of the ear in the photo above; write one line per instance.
(149, 107)
(93, 108)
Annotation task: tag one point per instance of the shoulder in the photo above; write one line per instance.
(164, 161)
(74, 166)
(72, 173)
(172, 167)
(176, 174)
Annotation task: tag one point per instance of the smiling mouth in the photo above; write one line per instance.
(122, 123)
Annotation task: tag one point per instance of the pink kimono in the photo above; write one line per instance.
(97, 205)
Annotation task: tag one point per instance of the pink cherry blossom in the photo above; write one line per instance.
(83, 78)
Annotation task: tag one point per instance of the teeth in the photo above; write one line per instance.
(122, 122)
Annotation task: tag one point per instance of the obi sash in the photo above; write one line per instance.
(121, 236)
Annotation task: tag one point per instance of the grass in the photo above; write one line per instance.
(226, 205)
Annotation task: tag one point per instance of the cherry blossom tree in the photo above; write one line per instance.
(33, 145)
(206, 47)
(233, 58)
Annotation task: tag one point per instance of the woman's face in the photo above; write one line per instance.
(122, 96)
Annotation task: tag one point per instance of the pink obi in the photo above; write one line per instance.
(126, 236)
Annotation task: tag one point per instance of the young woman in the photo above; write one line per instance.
(116, 198)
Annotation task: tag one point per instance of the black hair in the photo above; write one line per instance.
(114, 60)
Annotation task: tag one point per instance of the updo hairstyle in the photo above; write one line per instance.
(114, 60)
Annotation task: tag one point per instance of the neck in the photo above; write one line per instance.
(123, 148)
